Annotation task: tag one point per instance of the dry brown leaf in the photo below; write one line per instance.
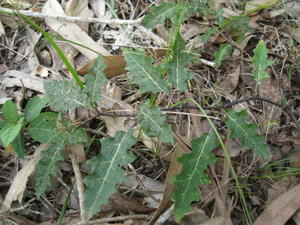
(77, 150)
(3, 68)
(191, 30)
(270, 89)
(42, 71)
(217, 221)
(71, 31)
(295, 33)
(69, 51)
(111, 102)
(121, 203)
(279, 211)
(9, 21)
(174, 169)
(195, 217)
(230, 83)
(115, 64)
(18, 185)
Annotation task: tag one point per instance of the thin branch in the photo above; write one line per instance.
(286, 109)
(73, 18)
(80, 186)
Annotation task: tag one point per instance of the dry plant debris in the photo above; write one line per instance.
(155, 131)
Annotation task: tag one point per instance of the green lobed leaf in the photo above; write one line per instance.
(237, 26)
(178, 74)
(34, 107)
(208, 35)
(221, 53)
(10, 111)
(43, 127)
(18, 145)
(246, 132)
(63, 134)
(193, 173)
(158, 14)
(76, 135)
(10, 132)
(106, 170)
(152, 122)
(261, 62)
(65, 95)
(47, 166)
(95, 80)
(143, 73)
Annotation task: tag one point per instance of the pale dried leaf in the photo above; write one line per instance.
(2, 31)
(195, 217)
(174, 169)
(17, 78)
(217, 221)
(77, 150)
(9, 21)
(149, 183)
(69, 51)
(80, 9)
(281, 209)
(18, 185)
(269, 89)
(42, 71)
(112, 102)
(191, 30)
(230, 82)
(98, 7)
(296, 218)
(71, 31)
(295, 33)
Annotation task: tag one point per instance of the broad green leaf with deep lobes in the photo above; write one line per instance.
(246, 132)
(10, 111)
(193, 173)
(43, 127)
(106, 170)
(34, 107)
(95, 80)
(158, 14)
(178, 74)
(153, 123)
(143, 73)
(65, 95)
(261, 62)
(63, 134)
(47, 167)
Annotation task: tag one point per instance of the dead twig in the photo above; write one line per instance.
(285, 108)
(72, 18)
